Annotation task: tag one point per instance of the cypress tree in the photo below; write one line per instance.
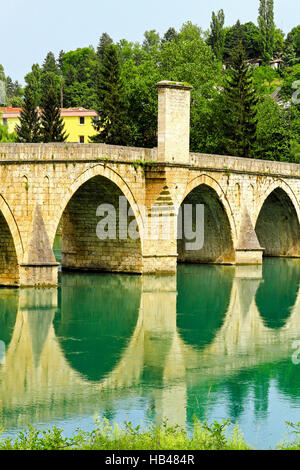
(266, 29)
(29, 129)
(52, 123)
(217, 35)
(240, 100)
(112, 125)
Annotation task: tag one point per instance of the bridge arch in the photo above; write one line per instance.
(278, 221)
(97, 185)
(278, 183)
(11, 251)
(219, 225)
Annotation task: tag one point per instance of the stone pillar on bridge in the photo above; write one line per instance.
(39, 267)
(174, 122)
(248, 249)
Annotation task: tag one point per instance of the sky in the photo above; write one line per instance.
(31, 28)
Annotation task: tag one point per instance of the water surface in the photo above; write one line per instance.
(212, 342)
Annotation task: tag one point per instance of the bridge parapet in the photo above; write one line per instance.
(226, 164)
(66, 152)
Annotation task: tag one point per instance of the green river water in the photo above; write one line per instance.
(212, 342)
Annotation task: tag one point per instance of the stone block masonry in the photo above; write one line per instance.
(251, 207)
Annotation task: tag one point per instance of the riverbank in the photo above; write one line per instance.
(105, 436)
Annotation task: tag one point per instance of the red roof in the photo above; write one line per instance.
(10, 112)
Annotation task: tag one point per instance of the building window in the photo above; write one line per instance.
(81, 139)
(81, 121)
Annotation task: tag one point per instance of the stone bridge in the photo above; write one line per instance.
(251, 207)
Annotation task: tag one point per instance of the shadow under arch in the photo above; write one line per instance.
(97, 170)
(277, 226)
(202, 302)
(277, 295)
(218, 225)
(11, 248)
(96, 319)
(81, 247)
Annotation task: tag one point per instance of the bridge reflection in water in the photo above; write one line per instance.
(166, 346)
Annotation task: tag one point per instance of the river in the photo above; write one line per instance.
(212, 342)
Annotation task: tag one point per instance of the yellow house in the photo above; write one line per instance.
(78, 122)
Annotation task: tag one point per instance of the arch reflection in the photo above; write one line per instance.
(140, 338)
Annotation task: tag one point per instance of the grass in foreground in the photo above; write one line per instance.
(107, 437)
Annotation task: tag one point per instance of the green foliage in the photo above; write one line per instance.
(279, 42)
(248, 33)
(266, 80)
(170, 35)
(214, 436)
(112, 126)
(5, 136)
(51, 121)
(294, 445)
(29, 130)
(266, 29)
(112, 437)
(289, 56)
(217, 34)
(186, 58)
(290, 76)
(152, 41)
(240, 107)
(293, 39)
(79, 69)
(14, 93)
(104, 41)
(33, 81)
(33, 439)
(121, 86)
(273, 132)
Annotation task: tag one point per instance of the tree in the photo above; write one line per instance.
(104, 41)
(249, 34)
(29, 129)
(2, 86)
(291, 75)
(266, 79)
(78, 74)
(170, 35)
(50, 64)
(266, 29)
(217, 34)
(112, 125)
(52, 123)
(240, 107)
(289, 55)
(151, 41)
(251, 40)
(279, 42)
(233, 36)
(34, 81)
(50, 75)
(273, 131)
(293, 38)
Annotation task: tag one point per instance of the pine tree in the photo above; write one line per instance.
(112, 125)
(29, 129)
(52, 123)
(104, 41)
(240, 107)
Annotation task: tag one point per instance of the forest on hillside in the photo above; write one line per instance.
(236, 108)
